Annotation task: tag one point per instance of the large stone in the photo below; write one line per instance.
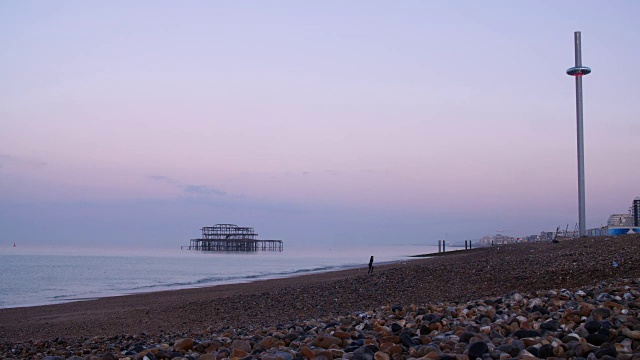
(285, 355)
(526, 334)
(183, 344)
(426, 350)
(307, 352)
(541, 309)
(396, 328)
(466, 336)
(342, 335)
(509, 349)
(592, 326)
(529, 342)
(545, 351)
(565, 294)
(581, 331)
(558, 351)
(325, 354)
(632, 334)
(379, 355)
(582, 349)
(407, 341)
(391, 339)
(268, 356)
(149, 356)
(289, 338)
(446, 357)
(600, 313)
(531, 351)
(518, 344)
(528, 357)
(551, 325)
(586, 308)
(363, 353)
(477, 349)
(238, 353)
(243, 345)
(270, 342)
(325, 341)
(608, 351)
(391, 348)
(431, 356)
(596, 339)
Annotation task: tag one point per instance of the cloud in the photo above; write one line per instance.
(378, 172)
(11, 160)
(203, 190)
(164, 179)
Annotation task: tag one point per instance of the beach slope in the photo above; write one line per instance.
(456, 278)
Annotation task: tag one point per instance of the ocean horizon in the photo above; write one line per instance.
(33, 276)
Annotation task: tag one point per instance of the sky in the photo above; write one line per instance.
(329, 122)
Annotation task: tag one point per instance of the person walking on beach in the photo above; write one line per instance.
(370, 265)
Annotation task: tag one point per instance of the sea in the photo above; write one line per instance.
(53, 275)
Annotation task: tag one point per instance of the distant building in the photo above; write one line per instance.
(620, 224)
(620, 220)
(497, 239)
(547, 235)
(601, 231)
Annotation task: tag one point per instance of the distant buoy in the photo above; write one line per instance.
(14, 244)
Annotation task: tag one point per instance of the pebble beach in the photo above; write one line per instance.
(577, 299)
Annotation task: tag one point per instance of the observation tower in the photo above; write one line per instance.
(578, 71)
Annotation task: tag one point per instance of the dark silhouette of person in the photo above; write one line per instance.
(370, 265)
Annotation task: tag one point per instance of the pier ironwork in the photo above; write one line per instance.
(230, 237)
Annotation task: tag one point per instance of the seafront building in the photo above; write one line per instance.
(620, 220)
(617, 224)
(629, 223)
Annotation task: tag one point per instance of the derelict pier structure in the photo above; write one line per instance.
(230, 237)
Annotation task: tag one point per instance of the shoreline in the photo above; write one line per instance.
(14, 320)
(118, 283)
(462, 276)
(246, 281)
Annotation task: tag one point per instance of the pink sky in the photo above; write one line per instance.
(417, 119)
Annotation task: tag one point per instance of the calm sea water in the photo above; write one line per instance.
(31, 277)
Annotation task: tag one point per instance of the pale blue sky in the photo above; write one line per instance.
(361, 121)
